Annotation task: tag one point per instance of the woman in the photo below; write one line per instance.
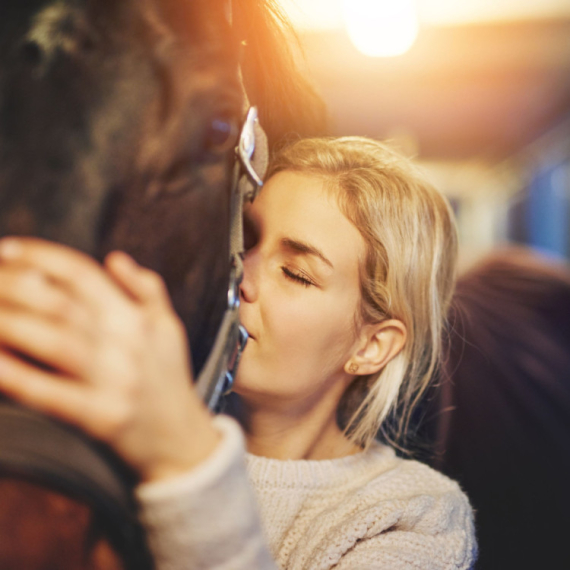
(348, 275)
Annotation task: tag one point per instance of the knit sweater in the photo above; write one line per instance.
(371, 510)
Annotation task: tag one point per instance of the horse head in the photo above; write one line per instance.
(118, 121)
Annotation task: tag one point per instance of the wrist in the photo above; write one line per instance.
(186, 453)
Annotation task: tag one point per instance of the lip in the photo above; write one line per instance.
(249, 333)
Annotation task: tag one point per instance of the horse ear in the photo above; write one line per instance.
(288, 104)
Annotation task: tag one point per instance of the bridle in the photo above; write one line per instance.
(218, 374)
(217, 377)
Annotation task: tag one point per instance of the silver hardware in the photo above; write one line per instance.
(246, 145)
(243, 337)
(233, 289)
(218, 374)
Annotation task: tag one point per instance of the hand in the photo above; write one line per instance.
(112, 355)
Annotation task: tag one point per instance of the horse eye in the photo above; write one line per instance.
(221, 135)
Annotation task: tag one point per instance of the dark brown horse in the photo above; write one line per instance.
(118, 120)
(501, 418)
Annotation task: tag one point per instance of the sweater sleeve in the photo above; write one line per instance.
(427, 532)
(206, 518)
(399, 550)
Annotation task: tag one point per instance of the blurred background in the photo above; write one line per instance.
(477, 91)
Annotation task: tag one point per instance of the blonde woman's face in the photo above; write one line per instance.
(300, 293)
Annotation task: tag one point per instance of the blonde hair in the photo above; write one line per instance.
(408, 273)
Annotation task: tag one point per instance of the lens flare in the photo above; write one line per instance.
(381, 28)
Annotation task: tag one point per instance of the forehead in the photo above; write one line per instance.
(303, 206)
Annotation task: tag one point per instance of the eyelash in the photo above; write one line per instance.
(298, 278)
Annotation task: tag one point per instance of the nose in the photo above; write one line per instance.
(249, 285)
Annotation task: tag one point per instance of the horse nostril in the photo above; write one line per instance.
(32, 53)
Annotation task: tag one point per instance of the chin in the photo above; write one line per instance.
(253, 392)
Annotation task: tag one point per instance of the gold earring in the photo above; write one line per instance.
(353, 368)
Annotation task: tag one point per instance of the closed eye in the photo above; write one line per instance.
(297, 277)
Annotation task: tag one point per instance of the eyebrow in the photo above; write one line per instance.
(304, 248)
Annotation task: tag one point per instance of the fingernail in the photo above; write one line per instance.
(126, 260)
(10, 248)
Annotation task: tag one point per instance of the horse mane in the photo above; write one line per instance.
(274, 80)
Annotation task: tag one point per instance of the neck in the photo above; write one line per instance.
(284, 432)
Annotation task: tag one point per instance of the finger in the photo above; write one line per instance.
(148, 289)
(53, 344)
(77, 272)
(41, 390)
(28, 289)
(142, 284)
(61, 397)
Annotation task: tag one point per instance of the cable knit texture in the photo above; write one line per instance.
(371, 510)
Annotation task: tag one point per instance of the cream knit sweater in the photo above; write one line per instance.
(371, 510)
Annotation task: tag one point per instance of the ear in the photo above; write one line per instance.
(377, 345)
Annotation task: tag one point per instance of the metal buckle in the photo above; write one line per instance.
(246, 145)
(233, 287)
(229, 379)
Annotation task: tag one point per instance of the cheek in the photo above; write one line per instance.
(311, 336)
(304, 341)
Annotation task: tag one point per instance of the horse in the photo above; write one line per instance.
(117, 126)
(500, 417)
(118, 122)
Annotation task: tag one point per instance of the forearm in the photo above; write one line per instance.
(207, 518)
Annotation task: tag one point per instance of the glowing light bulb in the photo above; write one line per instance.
(381, 28)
